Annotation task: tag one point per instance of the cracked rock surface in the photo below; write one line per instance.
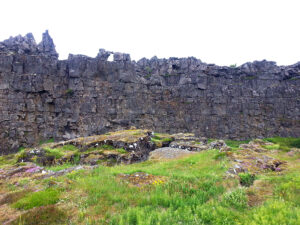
(42, 97)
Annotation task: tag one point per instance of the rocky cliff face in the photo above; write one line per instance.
(42, 97)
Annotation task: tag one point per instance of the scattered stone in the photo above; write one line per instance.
(218, 144)
(189, 145)
(187, 137)
(50, 173)
(293, 152)
(253, 158)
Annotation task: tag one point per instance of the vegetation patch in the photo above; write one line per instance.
(236, 199)
(246, 179)
(274, 212)
(285, 143)
(54, 153)
(44, 215)
(35, 199)
(51, 140)
(235, 144)
(121, 150)
(13, 197)
(59, 167)
(220, 155)
(7, 160)
(160, 139)
(200, 188)
(140, 179)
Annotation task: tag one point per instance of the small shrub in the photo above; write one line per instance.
(148, 69)
(272, 147)
(235, 144)
(107, 147)
(76, 158)
(289, 189)
(21, 155)
(236, 199)
(296, 143)
(51, 140)
(210, 140)
(220, 155)
(246, 179)
(69, 92)
(21, 149)
(53, 153)
(273, 213)
(166, 140)
(68, 148)
(121, 150)
(35, 199)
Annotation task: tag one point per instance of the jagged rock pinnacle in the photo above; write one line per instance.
(47, 45)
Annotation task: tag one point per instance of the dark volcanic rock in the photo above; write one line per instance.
(42, 97)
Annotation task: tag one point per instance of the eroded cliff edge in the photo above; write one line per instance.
(42, 97)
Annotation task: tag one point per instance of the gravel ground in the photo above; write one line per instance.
(169, 153)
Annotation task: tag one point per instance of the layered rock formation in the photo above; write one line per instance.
(42, 97)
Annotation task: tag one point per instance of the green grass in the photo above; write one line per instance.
(59, 167)
(236, 199)
(272, 147)
(235, 144)
(189, 184)
(7, 159)
(191, 193)
(193, 190)
(121, 150)
(210, 140)
(51, 140)
(59, 152)
(246, 179)
(107, 147)
(35, 199)
(54, 152)
(68, 148)
(158, 139)
(274, 212)
(285, 143)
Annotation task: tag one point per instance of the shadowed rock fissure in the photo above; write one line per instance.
(42, 97)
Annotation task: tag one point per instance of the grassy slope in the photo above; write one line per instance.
(192, 191)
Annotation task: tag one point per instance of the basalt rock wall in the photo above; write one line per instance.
(42, 97)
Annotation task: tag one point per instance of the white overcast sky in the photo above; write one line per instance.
(223, 32)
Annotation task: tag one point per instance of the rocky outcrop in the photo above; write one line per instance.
(42, 97)
(254, 158)
(124, 146)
